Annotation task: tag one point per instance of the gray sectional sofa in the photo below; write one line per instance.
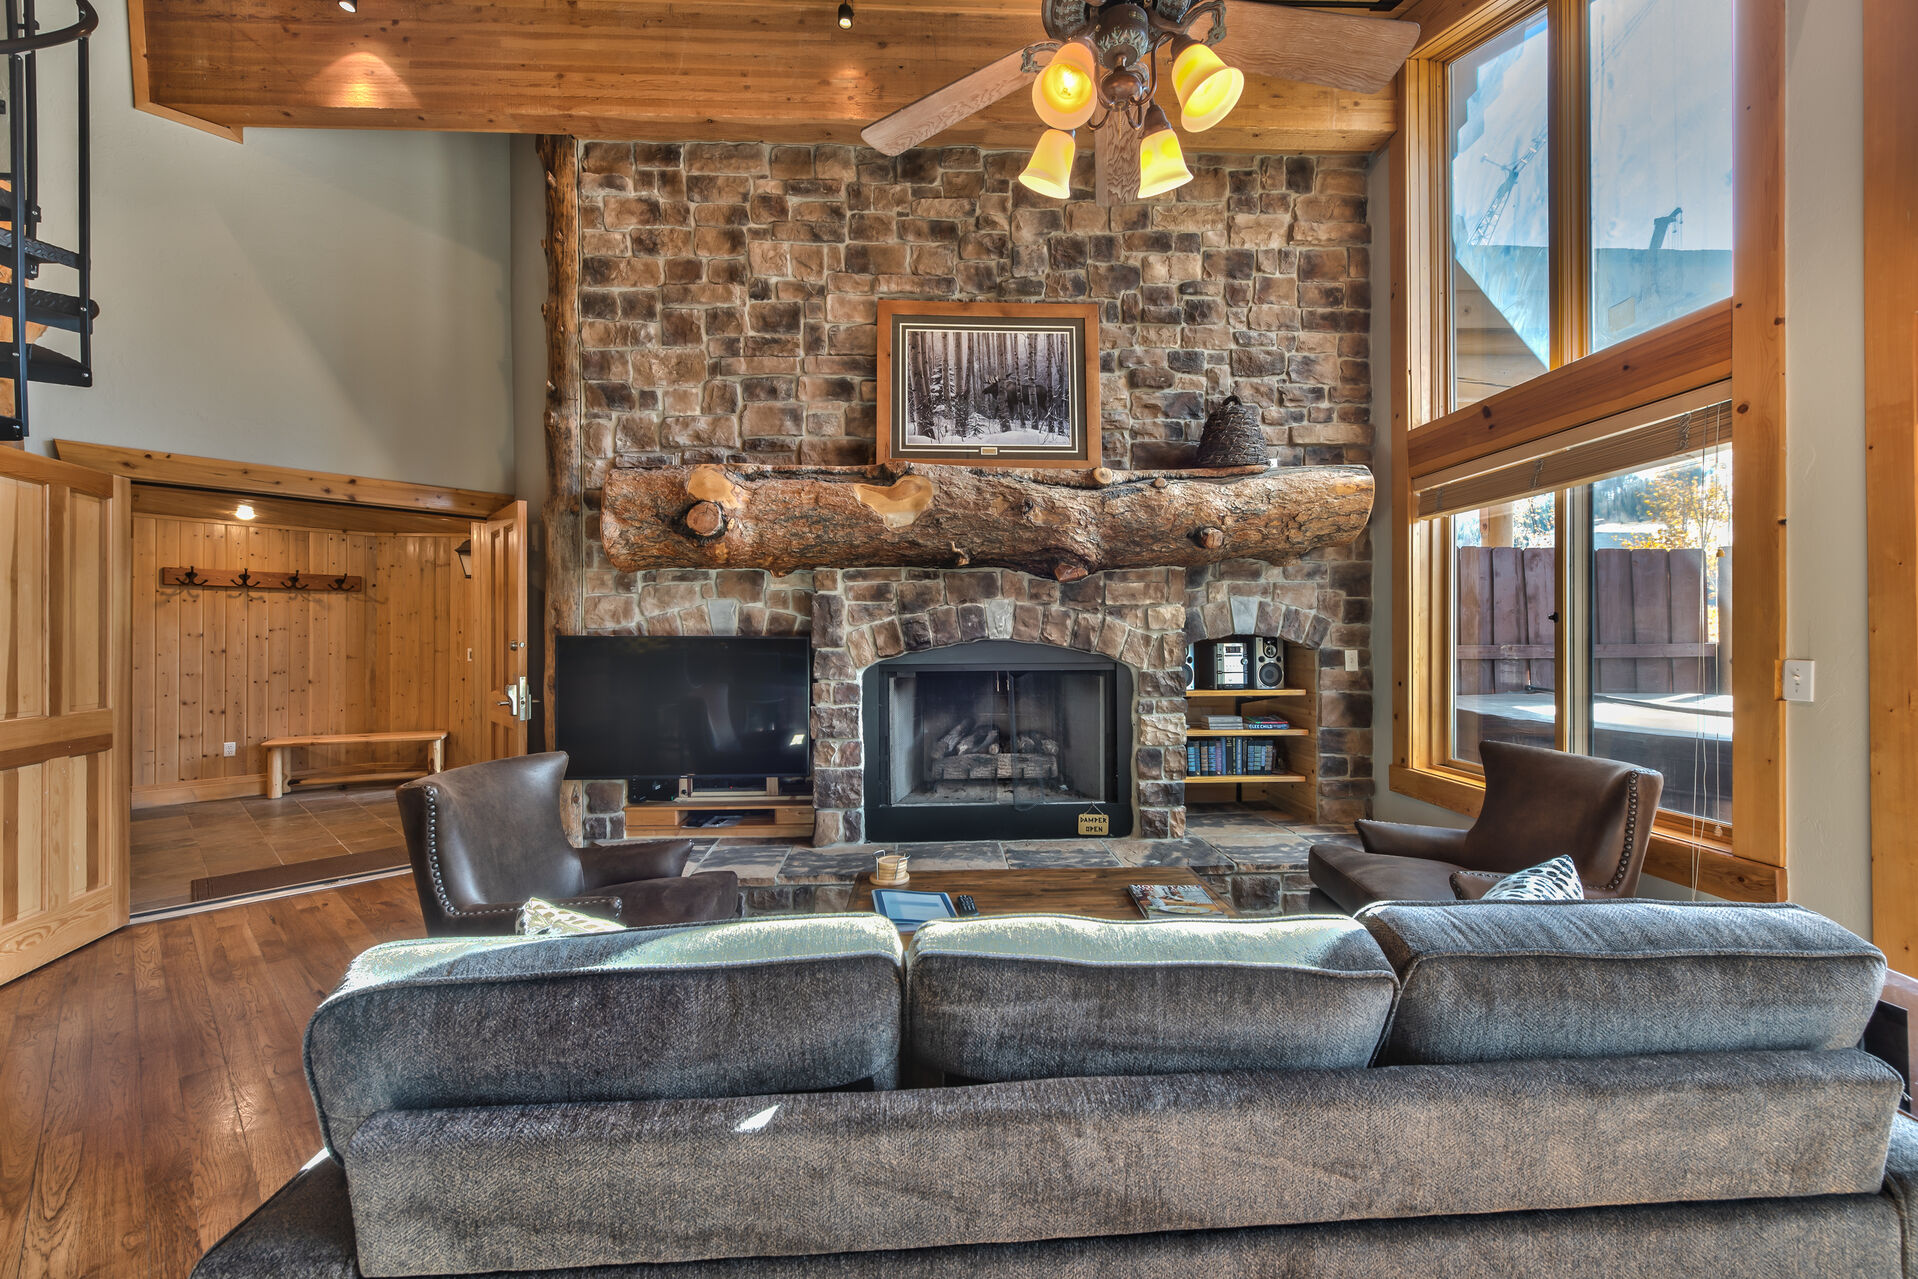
(1597, 1088)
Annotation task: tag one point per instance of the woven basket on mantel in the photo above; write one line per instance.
(1233, 436)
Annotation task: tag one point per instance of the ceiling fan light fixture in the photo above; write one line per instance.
(1161, 158)
(845, 15)
(1207, 88)
(1067, 92)
(1050, 170)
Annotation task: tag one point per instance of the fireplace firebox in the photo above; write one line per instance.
(996, 740)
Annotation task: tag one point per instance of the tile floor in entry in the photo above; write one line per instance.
(175, 845)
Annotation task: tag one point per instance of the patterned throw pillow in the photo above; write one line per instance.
(539, 918)
(1554, 881)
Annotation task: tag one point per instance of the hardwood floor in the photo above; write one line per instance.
(177, 844)
(151, 1087)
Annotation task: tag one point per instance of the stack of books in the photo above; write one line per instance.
(1267, 721)
(1231, 722)
(1230, 757)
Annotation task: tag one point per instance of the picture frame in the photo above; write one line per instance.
(1023, 376)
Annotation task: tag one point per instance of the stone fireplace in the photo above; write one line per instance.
(724, 309)
(1132, 620)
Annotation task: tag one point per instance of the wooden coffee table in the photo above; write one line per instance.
(1099, 892)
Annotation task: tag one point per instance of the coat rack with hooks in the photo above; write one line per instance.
(247, 580)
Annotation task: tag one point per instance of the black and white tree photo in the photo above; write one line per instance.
(978, 387)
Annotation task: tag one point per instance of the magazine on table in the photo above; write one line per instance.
(907, 910)
(1174, 901)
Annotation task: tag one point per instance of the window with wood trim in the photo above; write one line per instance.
(1587, 164)
(1563, 198)
(1585, 597)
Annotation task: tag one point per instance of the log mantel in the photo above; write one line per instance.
(1060, 524)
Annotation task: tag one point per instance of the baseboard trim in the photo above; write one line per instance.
(195, 791)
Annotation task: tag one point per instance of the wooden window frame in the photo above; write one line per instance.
(1891, 505)
(1741, 339)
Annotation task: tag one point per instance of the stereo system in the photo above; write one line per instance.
(1249, 662)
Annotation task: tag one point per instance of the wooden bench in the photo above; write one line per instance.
(279, 779)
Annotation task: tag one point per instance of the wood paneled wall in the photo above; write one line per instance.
(217, 666)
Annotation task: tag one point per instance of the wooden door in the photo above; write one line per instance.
(66, 540)
(499, 576)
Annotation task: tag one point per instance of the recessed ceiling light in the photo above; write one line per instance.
(351, 6)
(845, 14)
(243, 512)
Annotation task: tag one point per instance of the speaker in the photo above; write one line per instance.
(1191, 669)
(1268, 663)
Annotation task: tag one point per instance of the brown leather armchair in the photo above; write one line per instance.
(1539, 804)
(486, 837)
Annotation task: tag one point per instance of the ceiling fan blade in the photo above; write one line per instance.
(941, 109)
(1338, 49)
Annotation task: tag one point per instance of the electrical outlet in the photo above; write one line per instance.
(1351, 659)
(232, 749)
(1796, 677)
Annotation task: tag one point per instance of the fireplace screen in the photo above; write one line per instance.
(999, 737)
(962, 738)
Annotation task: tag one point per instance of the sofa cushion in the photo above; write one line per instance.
(1493, 981)
(1043, 996)
(474, 1191)
(777, 1004)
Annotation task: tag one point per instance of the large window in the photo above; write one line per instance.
(1586, 597)
(1567, 233)
(1661, 162)
(1587, 164)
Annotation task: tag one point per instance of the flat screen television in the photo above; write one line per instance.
(654, 708)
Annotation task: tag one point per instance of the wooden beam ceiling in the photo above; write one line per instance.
(736, 70)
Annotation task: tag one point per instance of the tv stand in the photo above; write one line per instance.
(770, 817)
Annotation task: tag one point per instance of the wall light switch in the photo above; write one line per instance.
(1796, 677)
(1351, 659)
(232, 749)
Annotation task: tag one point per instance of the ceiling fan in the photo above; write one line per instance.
(1101, 65)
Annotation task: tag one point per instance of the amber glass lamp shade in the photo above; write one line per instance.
(1050, 170)
(1207, 88)
(1067, 92)
(1161, 159)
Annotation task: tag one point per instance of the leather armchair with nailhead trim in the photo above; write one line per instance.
(485, 837)
(1539, 804)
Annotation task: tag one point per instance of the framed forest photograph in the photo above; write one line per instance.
(989, 383)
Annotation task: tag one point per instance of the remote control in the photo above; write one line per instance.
(965, 905)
